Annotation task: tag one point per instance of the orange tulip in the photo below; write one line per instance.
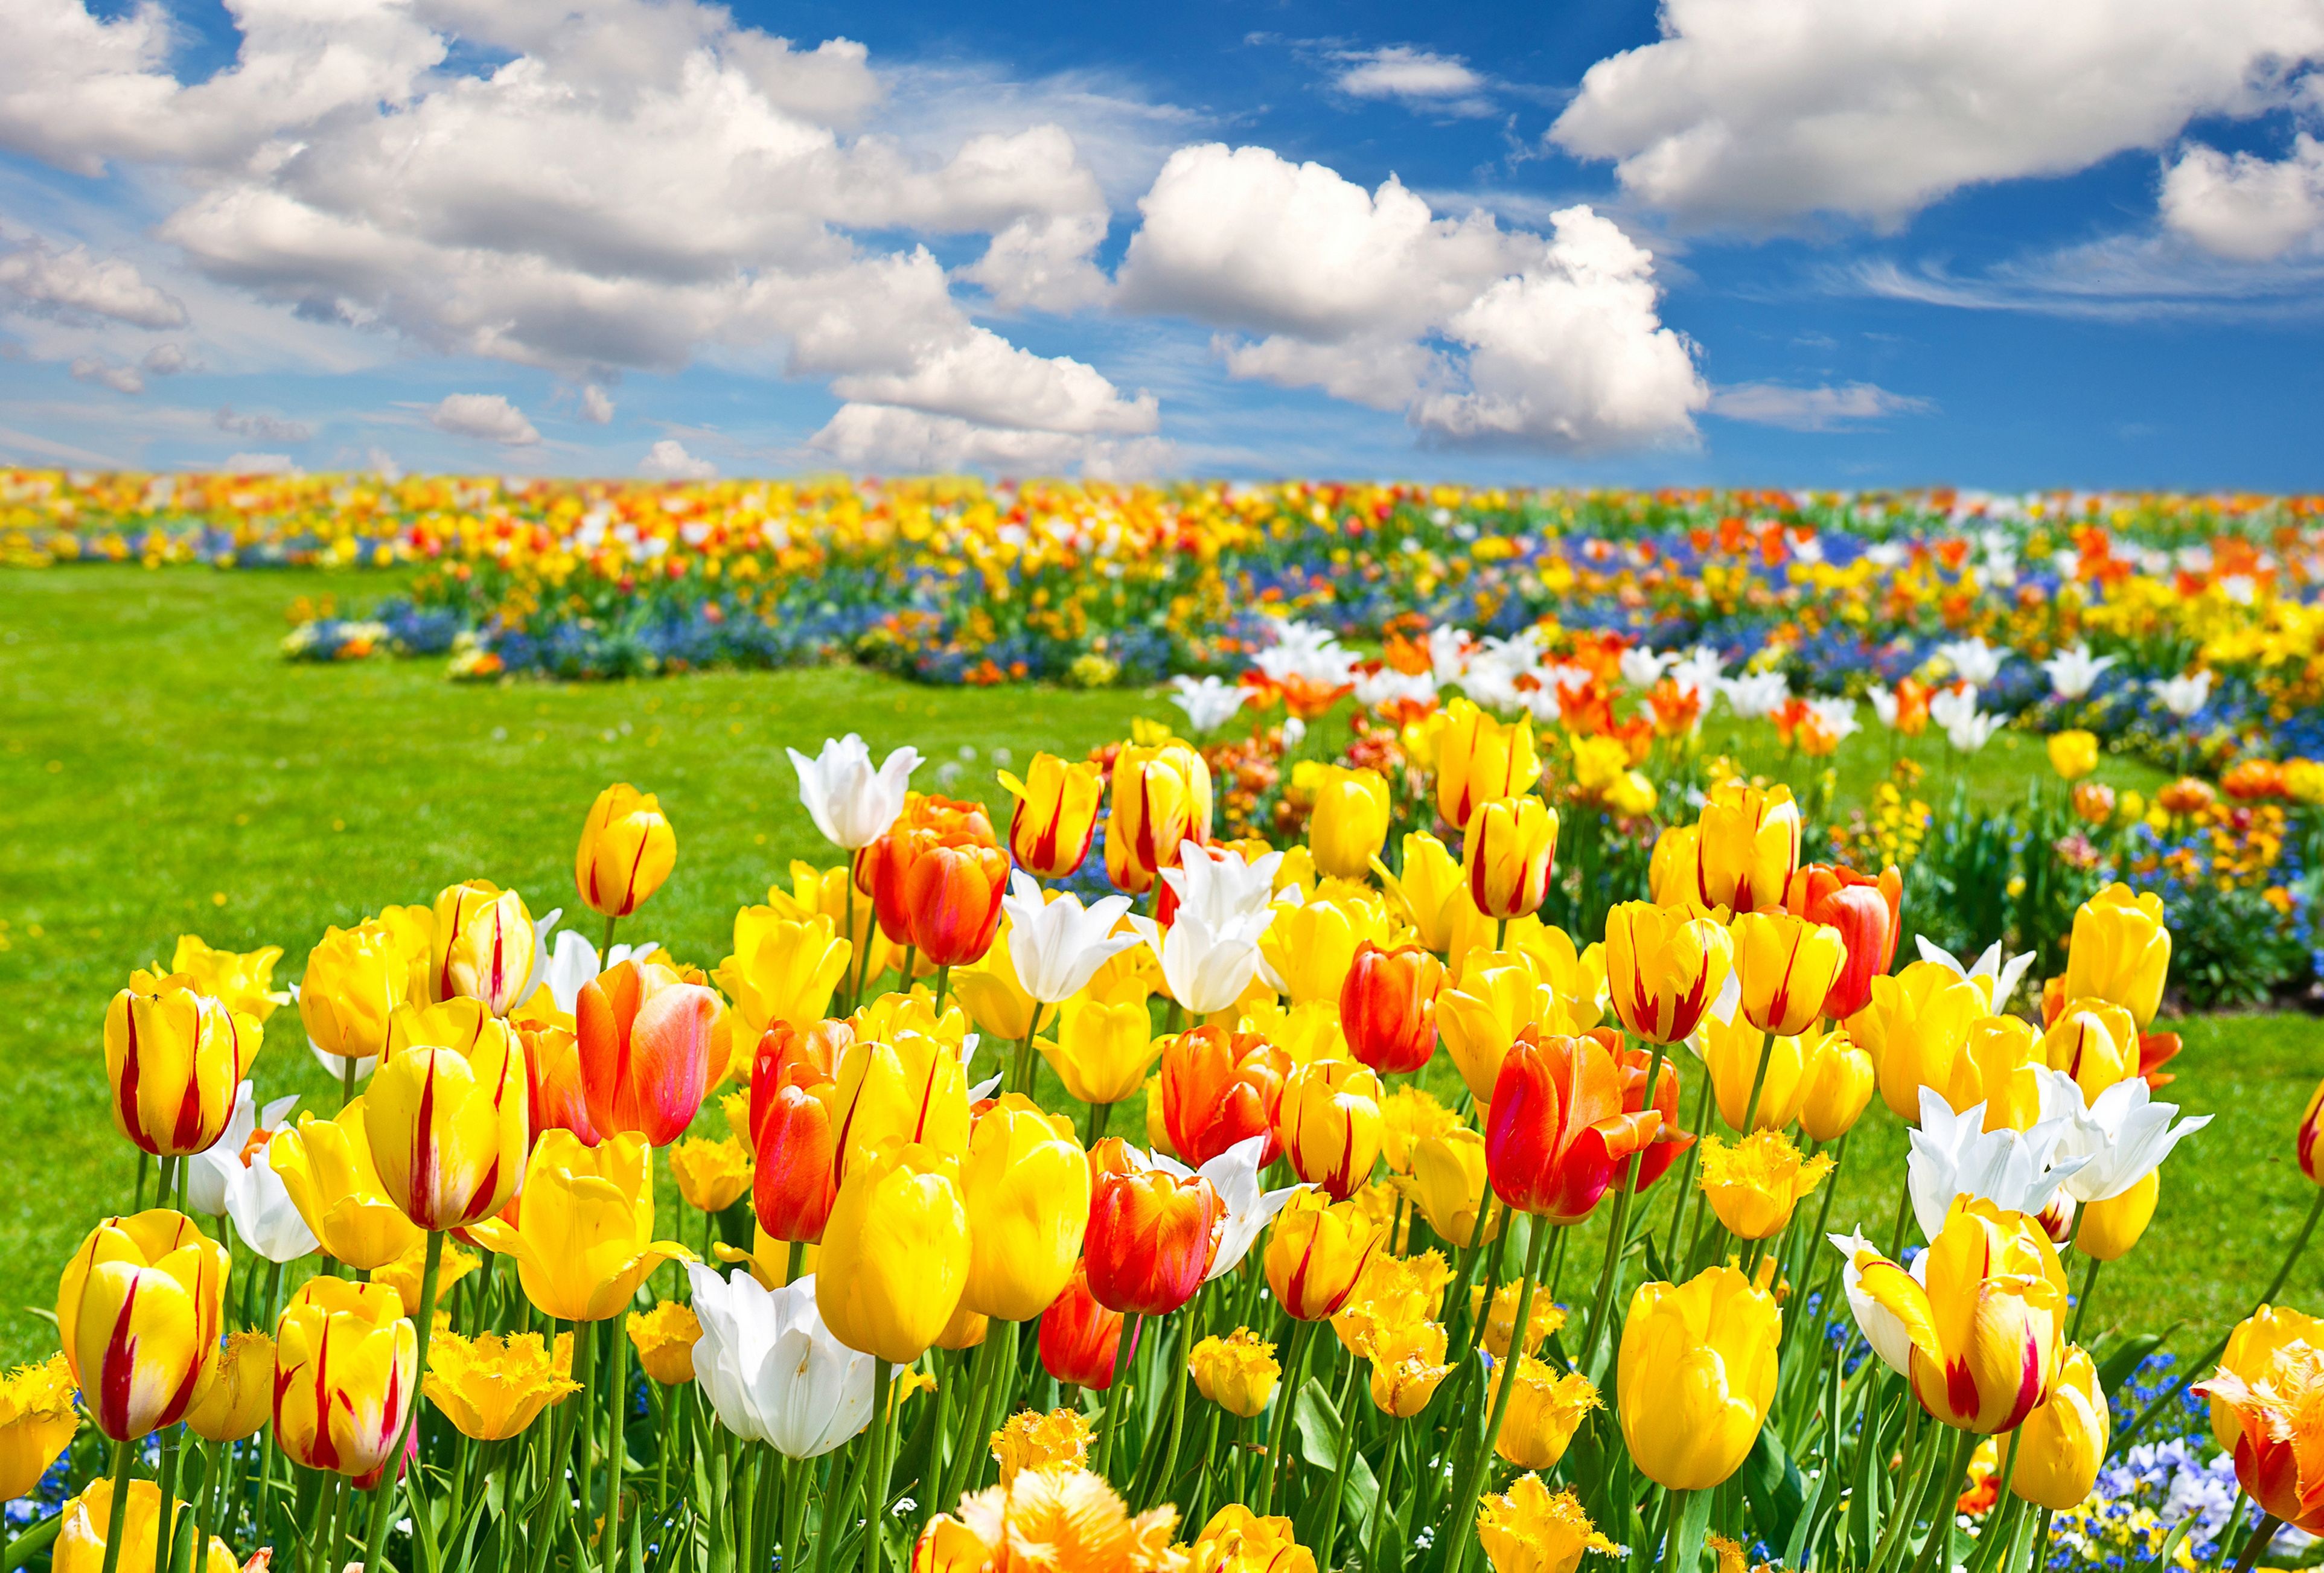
(1388, 1007)
(1079, 1336)
(1558, 1133)
(1221, 1087)
(645, 1041)
(1869, 913)
(1149, 1239)
(952, 895)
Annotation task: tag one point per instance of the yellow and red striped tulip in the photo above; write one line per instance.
(1316, 1254)
(1056, 816)
(1479, 759)
(1329, 1123)
(627, 849)
(484, 945)
(1161, 799)
(1663, 966)
(1509, 852)
(1784, 967)
(139, 1310)
(346, 1362)
(447, 1115)
(174, 1057)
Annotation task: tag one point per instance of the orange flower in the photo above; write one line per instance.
(1149, 1239)
(1558, 1132)
(645, 1044)
(1220, 1088)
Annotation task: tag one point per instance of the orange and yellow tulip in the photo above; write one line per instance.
(1559, 1133)
(1388, 1007)
(1868, 913)
(1149, 1240)
(645, 1047)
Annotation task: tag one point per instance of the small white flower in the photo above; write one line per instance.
(852, 804)
(1973, 660)
(2073, 671)
(251, 1193)
(1249, 1206)
(2183, 696)
(1209, 703)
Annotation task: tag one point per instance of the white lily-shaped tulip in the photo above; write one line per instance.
(1884, 703)
(1976, 662)
(1249, 1207)
(1209, 703)
(1204, 969)
(1643, 668)
(1217, 885)
(1755, 695)
(1058, 945)
(2073, 671)
(852, 804)
(1698, 672)
(575, 961)
(771, 1369)
(2123, 1132)
(1387, 686)
(1837, 717)
(226, 1182)
(1999, 979)
(2183, 696)
(1448, 652)
(1882, 1329)
(206, 1181)
(1953, 1155)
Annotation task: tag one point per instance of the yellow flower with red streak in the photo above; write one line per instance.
(139, 1310)
(174, 1056)
(1786, 967)
(1056, 816)
(1329, 1123)
(1509, 852)
(1161, 799)
(1663, 968)
(346, 1360)
(484, 948)
(1479, 759)
(446, 1115)
(627, 849)
(1740, 855)
(2270, 1395)
(1316, 1254)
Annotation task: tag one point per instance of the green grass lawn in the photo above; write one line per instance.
(165, 772)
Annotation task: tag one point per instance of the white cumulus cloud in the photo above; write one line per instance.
(489, 417)
(73, 281)
(274, 429)
(2246, 208)
(1416, 77)
(667, 460)
(1766, 110)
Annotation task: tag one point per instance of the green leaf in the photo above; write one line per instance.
(1772, 1481)
(1317, 1422)
(1695, 1522)
(2118, 1357)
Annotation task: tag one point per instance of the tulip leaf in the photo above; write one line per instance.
(32, 1542)
(1318, 1423)
(1772, 1481)
(2118, 1358)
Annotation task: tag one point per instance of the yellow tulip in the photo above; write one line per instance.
(1305, 1033)
(1731, 1053)
(1056, 812)
(1238, 1372)
(1785, 967)
(356, 979)
(2073, 754)
(1498, 1325)
(1747, 848)
(484, 946)
(1995, 1068)
(1547, 1407)
(1663, 966)
(1509, 853)
(824, 893)
(37, 1422)
(408, 1274)
(1311, 946)
(1526, 1530)
(1479, 759)
(2062, 1443)
(325, 1165)
(627, 850)
(492, 1386)
(447, 1116)
(665, 1338)
(79, 1546)
(1839, 1084)
(1916, 1028)
(1499, 996)
(174, 1057)
(1754, 1184)
(1329, 1121)
(1025, 1187)
(1984, 1331)
(2256, 1346)
(1408, 1117)
(1431, 895)
(783, 968)
(914, 1089)
(139, 1309)
(896, 1252)
(1239, 1541)
(2111, 1227)
(1105, 1042)
(2096, 1042)
(243, 981)
(711, 1175)
(1447, 1184)
(1349, 824)
(241, 1399)
(345, 1360)
(584, 1236)
(992, 994)
(1576, 977)
(1316, 1253)
(1695, 1377)
(2120, 952)
(1407, 1368)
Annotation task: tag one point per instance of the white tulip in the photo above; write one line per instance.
(1882, 1329)
(1952, 1155)
(1643, 668)
(1975, 661)
(575, 961)
(1204, 970)
(2125, 1135)
(1057, 946)
(1756, 694)
(206, 1181)
(852, 804)
(1448, 653)
(1998, 979)
(1884, 703)
(1837, 717)
(2183, 696)
(1386, 687)
(223, 1182)
(771, 1370)
(1249, 1206)
(1217, 885)
(2073, 672)
(1208, 702)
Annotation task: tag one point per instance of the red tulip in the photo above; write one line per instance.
(645, 1049)
(1220, 1088)
(1559, 1134)
(1080, 1338)
(1869, 913)
(952, 895)
(554, 1099)
(1149, 1239)
(1388, 1007)
(789, 1057)
(794, 1179)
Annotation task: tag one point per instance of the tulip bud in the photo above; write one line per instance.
(1027, 1188)
(1219, 1089)
(1836, 1087)
(895, 1255)
(1663, 968)
(1080, 1339)
(1349, 824)
(582, 1237)
(2073, 754)
(1479, 759)
(1056, 816)
(1238, 1372)
(2110, 1228)
(445, 1120)
(241, 1398)
(2120, 952)
(1447, 1184)
(1508, 851)
(952, 893)
(2062, 1443)
(1104, 1046)
(484, 948)
(1547, 1407)
(355, 978)
(645, 1049)
(1329, 1122)
(174, 1057)
(1869, 914)
(1161, 800)
(1786, 967)
(2094, 1042)
(81, 1544)
(1559, 1135)
(1388, 1007)
(1695, 1377)
(796, 1162)
(1316, 1254)
(627, 850)
(139, 1309)
(345, 1361)
(1149, 1240)
(325, 1165)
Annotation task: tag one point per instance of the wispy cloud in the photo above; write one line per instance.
(2125, 277)
(1839, 407)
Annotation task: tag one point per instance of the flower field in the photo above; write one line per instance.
(1542, 1141)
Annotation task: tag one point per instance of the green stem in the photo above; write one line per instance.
(2081, 1304)
(346, 1080)
(165, 1524)
(1372, 1538)
(1020, 1075)
(616, 1445)
(1616, 1234)
(944, 986)
(2268, 1524)
(383, 1496)
(875, 1505)
(1287, 1398)
(1940, 1513)
(605, 950)
(1100, 1115)
(118, 1518)
(1125, 1351)
(1464, 1499)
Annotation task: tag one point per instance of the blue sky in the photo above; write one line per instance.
(1782, 242)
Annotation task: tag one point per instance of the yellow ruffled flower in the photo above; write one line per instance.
(712, 1175)
(1544, 1317)
(1033, 1440)
(37, 1422)
(1547, 1407)
(1238, 1372)
(665, 1338)
(405, 1274)
(1526, 1530)
(1754, 1184)
(491, 1387)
